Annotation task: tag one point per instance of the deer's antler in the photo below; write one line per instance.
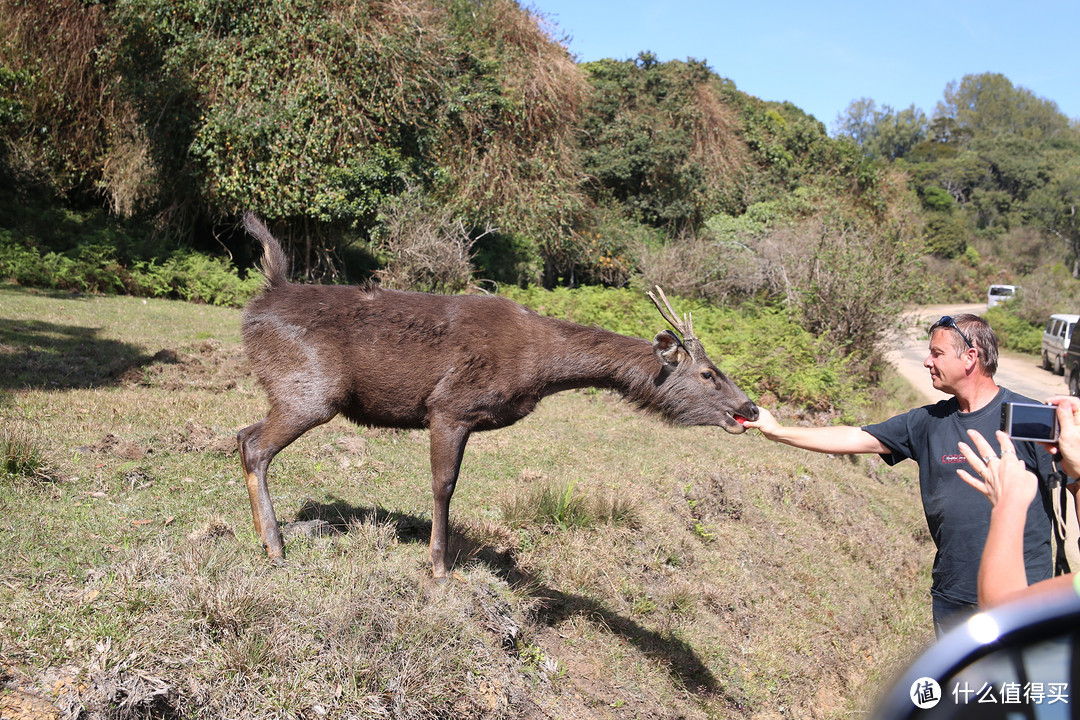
(685, 326)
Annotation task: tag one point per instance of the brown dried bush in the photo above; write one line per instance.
(427, 249)
(706, 268)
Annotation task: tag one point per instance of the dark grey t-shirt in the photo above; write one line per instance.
(958, 515)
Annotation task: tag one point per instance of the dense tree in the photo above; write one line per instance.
(956, 173)
(321, 116)
(1056, 206)
(350, 124)
(989, 105)
(312, 114)
(858, 121)
(660, 140)
(882, 133)
(55, 108)
(995, 163)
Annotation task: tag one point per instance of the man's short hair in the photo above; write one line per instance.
(976, 331)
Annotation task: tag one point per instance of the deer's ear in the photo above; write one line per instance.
(669, 349)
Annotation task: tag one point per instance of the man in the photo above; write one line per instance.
(962, 362)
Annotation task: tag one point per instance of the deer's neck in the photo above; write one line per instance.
(594, 357)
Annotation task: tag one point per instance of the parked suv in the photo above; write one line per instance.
(1072, 365)
(1055, 341)
(998, 294)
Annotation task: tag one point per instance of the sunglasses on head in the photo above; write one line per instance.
(947, 321)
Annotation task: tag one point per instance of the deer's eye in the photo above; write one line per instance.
(706, 375)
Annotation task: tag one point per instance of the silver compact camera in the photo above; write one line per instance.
(1030, 421)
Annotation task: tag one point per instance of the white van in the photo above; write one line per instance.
(1055, 340)
(998, 294)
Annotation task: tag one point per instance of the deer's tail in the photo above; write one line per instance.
(275, 265)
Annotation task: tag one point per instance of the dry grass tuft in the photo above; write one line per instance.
(21, 453)
(566, 506)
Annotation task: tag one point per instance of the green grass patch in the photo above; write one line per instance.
(567, 506)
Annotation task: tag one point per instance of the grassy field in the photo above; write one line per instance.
(607, 565)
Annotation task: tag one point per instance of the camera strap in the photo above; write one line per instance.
(1058, 491)
(1066, 530)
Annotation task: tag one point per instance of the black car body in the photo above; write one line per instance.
(1072, 365)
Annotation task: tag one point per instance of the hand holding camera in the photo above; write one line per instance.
(1030, 421)
(1056, 425)
(1067, 443)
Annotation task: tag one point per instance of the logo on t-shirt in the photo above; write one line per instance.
(953, 459)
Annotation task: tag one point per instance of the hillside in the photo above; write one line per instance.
(996, 171)
(727, 577)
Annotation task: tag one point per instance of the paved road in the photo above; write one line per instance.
(1018, 372)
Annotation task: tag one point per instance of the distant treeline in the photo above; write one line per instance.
(995, 168)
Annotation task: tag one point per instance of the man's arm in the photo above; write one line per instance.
(835, 439)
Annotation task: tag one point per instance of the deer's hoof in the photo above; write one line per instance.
(276, 556)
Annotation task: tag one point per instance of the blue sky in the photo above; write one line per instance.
(822, 55)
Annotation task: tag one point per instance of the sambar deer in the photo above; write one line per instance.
(451, 364)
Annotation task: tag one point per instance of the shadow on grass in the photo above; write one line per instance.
(38, 354)
(677, 656)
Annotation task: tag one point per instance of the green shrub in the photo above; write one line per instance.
(760, 347)
(946, 235)
(937, 199)
(92, 268)
(185, 275)
(196, 278)
(507, 258)
(1013, 331)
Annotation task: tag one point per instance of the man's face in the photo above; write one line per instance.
(946, 369)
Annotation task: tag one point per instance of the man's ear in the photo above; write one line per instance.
(669, 349)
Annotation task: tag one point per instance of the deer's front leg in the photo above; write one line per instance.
(447, 449)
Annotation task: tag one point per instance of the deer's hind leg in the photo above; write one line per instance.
(258, 444)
